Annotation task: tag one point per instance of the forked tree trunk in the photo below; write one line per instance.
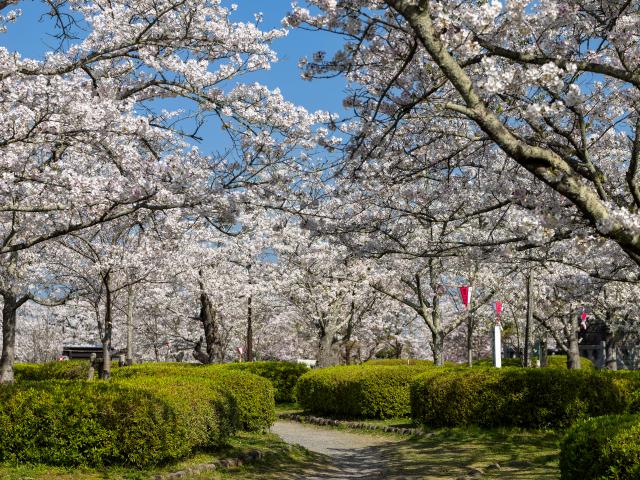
(327, 352)
(212, 341)
(437, 345)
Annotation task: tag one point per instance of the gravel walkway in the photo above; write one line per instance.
(354, 455)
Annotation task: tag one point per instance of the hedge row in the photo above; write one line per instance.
(553, 361)
(68, 370)
(283, 376)
(76, 423)
(391, 362)
(358, 391)
(606, 448)
(531, 398)
(254, 395)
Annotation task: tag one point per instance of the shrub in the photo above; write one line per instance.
(553, 361)
(560, 361)
(398, 361)
(67, 370)
(26, 371)
(357, 391)
(253, 394)
(506, 362)
(603, 448)
(532, 398)
(628, 381)
(94, 424)
(283, 376)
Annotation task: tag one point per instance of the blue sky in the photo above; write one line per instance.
(29, 37)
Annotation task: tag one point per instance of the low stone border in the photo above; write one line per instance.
(349, 424)
(249, 457)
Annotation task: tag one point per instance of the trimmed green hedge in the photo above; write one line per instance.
(254, 395)
(553, 361)
(73, 423)
(606, 448)
(67, 370)
(358, 391)
(531, 398)
(389, 362)
(628, 381)
(560, 361)
(283, 376)
(488, 362)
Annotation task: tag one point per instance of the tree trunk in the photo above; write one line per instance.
(543, 352)
(211, 334)
(249, 352)
(130, 303)
(108, 329)
(437, 345)
(327, 355)
(529, 322)
(397, 349)
(8, 337)
(610, 351)
(573, 355)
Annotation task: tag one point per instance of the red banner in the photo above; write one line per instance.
(498, 307)
(465, 293)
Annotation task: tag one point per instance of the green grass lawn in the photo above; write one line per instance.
(277, 455)
(452, 453)
(441, 454)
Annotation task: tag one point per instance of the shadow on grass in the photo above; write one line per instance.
(445, 454)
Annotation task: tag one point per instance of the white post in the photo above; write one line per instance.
(497, 346)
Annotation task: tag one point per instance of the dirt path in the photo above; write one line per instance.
(354, 455)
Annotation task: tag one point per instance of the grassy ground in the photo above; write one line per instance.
(453, 453)
(439, 455)
(278, 456)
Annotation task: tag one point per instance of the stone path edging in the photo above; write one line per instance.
(249, 457)
(348, 423)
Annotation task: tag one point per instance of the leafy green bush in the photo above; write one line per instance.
(73, 423)
(398, 361)
(553, 361)
(532, 398)
(628, 381)
(560, 361)
(26, 371)
(506, 362)
(254, 395)
(283, 376)
(606, 448)
(67, 370)
(357, 391)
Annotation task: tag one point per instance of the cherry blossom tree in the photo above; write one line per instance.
(552, 86)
